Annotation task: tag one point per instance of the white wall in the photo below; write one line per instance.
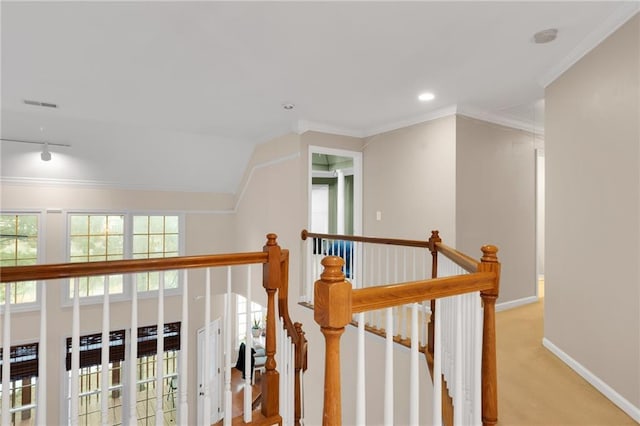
(592, 282)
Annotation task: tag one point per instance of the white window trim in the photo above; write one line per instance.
(31, 306)
(128, 244)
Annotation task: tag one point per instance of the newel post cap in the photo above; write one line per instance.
(489, 253)
(332, 295)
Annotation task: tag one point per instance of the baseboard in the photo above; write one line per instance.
(515, 303)
(595, 381)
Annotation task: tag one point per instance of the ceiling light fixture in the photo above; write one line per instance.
(545, 36)
(427, 96)
(288, 106)
(45, 155)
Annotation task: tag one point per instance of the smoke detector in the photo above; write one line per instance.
(545, 36)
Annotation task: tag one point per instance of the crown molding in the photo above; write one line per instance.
(618, 18)
(312, 126)
(433, 115)
(500, 120)
(27, 181)
(472, 112)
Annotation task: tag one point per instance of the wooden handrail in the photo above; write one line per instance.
(110, 267)
(467, 263)
(390, 241)
(336, 301)
(387, 296)
(275, 281)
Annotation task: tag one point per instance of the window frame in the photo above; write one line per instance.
(128, 216)
(172, 343)
(31, 366)
(30, 306)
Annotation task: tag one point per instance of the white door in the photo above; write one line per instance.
(215, 381)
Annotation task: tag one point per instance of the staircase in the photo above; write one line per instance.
(448, 323)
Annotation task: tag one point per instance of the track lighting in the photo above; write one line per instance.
(45, 155)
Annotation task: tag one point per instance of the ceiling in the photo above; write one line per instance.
(175, 95)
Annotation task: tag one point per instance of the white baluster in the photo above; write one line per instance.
(361, 418)
(413, 371)
(458, 395)
(206, 406)
(437, 365)
(280, 357)
(6, 356)
(184, 351)
(477, 373)
(133, 349)
(388, 371)
(311, 269)
(247, 354)
(227, 351)
(104, 385)
(75, 352)
(160, 354)
(291, 377)
(41, 410)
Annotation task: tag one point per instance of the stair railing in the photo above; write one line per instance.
(275, 273)
(456, 306)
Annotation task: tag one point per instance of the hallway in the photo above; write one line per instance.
(535, 387)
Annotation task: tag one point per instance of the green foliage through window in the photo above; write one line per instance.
(19, 246)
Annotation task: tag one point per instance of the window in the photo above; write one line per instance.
(90, 392)
(96, 237)
(258, 314)
(23, 384)
(19, 246)
(153, 237)
(99, 237)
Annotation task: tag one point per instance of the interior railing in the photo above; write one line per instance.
(446, 311)
(280, 381)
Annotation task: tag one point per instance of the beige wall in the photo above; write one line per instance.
(495, 200)
(209, 225)
(410, 177)
(592, 155)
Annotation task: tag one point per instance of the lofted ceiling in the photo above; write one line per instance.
(175, 95)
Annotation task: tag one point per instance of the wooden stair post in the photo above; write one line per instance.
(435, 238)
(489, 263)
(332, 311)
(271, 282)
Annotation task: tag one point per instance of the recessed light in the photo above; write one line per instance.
(427, 96)
(545, 36)
(288, 106)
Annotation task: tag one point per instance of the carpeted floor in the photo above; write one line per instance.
(535, 387)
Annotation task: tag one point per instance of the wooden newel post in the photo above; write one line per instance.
(489, 263)
(332, 311)
(435, 238)
(271, 279)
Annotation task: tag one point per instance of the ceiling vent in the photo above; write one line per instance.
(40, 104)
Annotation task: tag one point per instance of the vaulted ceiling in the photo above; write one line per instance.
(175, 95)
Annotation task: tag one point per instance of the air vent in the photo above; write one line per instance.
(41, 104)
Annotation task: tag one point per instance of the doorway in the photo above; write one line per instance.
(540, 222)
(335, 191)
(214, 382)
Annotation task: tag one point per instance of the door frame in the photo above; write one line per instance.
(357, 181)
